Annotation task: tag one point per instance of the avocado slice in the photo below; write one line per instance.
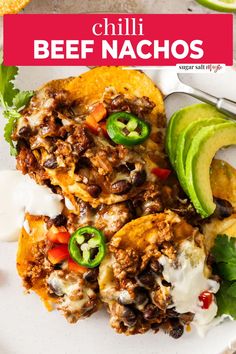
(181, 119)
(184, 142)
(200, 154)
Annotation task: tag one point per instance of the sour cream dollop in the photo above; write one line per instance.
(188, 282)
(20, 194)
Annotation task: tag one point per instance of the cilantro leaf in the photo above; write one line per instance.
(12, 100)
(7, 89)
(224, 249)
(22, 99)
(224, 252)
(12, 116)
(226, 299)
(232, 290)
(227, 270)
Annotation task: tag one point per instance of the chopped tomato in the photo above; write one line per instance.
(58, 254)
(206, 297)
(162, 173)
(75, 267)
(96, 116)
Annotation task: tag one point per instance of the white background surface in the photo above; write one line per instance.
(25, 325)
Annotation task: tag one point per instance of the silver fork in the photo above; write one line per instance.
(169, 82)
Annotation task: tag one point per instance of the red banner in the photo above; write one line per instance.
(127, 39)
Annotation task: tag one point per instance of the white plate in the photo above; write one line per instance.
(25, 325)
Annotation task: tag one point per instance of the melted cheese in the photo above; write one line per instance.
(67, 288)
(106, 279)
(188, 282)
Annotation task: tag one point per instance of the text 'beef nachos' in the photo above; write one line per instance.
(126, 232)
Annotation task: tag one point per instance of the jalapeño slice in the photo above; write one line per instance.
(87, 246)
(127, 129)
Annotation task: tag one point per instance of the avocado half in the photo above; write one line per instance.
(184, 142)
(181, 119)
(201, 152)
(219, 5)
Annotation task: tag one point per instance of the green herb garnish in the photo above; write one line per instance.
(224, 252)
(12, 101)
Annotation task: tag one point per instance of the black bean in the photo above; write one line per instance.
(141, 296)
(59, 220)
(155, 327)
(130, 165)
(186, 317)
(147, 279)
(58, 122)
(156, 267)
(50, 163)
(25, 132)
(83, 162)
(121, 187)
(55, 287)
(131, 208)
(117, 101)
(137, 203)
(91, 276)
(171, 313)
(177, 331)
(138, 178)
(165, 283)
(151, 312)
(94, 190)
(224, 208)
(123, 169)
(129, 316)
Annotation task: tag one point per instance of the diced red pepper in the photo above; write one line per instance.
(63, 237)
(162, 173)
(96, 116)
(58, 254)
(58, 237)
(103, 126)
(99, 112)
(92, 125)
(75, 267)
(206, 297)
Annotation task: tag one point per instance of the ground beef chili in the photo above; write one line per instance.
(53, 141)
(131, 278)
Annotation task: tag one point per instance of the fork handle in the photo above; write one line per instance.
(227, 106)
(224, 105)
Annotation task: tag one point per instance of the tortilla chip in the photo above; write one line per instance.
(216, 227)
(150, 229)
(223, 181)
(12, 6)
(223, 184)
(90, 86)
(88, 89)
(26, 255)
